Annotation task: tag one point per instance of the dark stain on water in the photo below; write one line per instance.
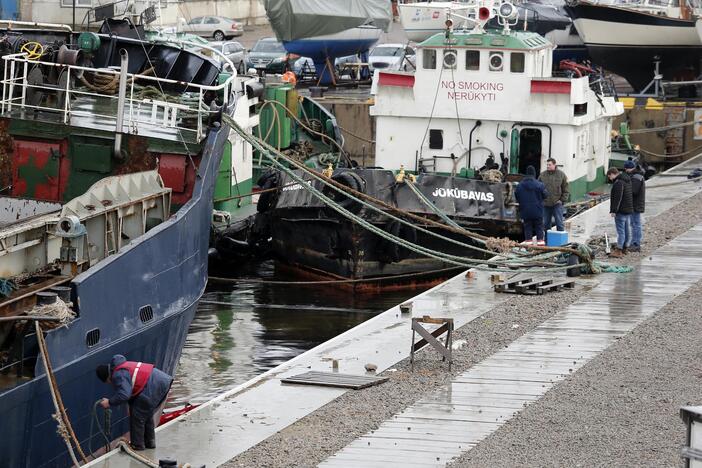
(244, 329)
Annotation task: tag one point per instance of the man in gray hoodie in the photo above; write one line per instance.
(556, 183)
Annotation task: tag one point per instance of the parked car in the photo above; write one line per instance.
(395, 57)
(269, 56)
(216, 27)
(234, 52)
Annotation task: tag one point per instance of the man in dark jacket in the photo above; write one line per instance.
(145, 388)
(621, 205)
(638, 192)
(556, 183)
(530, 195)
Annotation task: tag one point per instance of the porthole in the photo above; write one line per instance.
(496, 61)
(450, 59)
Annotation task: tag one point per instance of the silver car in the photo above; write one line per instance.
(234, 51)
(395, 57)
(216, 27)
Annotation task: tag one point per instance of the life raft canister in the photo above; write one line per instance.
(140, 373)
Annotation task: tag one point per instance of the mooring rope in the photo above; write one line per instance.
(64, 423)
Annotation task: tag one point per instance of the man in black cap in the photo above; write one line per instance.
(145, 388)
(638, 191)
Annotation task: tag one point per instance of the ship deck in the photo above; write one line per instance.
(145, 118)
(241, 418)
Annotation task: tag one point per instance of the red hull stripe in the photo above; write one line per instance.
(395, 79)
(550, 87)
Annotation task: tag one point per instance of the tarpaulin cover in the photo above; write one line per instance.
(299, 19)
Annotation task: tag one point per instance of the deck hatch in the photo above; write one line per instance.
(334, 379)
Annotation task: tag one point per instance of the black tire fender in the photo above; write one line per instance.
(351, 180)
(268, 200)
(393, 251)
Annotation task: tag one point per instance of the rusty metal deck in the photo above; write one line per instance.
(452, 420)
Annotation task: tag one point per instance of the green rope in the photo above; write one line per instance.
(447, 258)
(104, 431)
(608, 268)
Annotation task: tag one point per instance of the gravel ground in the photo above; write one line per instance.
(327, 430)
(620, 409)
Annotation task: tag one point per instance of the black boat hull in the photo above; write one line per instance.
(306, 234)
(628, 43)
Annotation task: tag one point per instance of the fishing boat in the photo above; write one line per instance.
(112, 148)
(327, 30)
(641, 40)
(481, 107)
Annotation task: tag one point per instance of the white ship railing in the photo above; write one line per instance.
(140, 113)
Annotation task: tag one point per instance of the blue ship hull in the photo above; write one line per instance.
(165, 268)
(319, 49)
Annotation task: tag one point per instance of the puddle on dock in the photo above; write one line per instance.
(265, 325)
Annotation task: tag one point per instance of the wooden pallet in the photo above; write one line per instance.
(533, 287)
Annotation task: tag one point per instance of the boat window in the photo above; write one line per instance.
(429, 59)
(580, 109)
(473, 60)
(496, 61)
(436, 139)
(450, 59)
(516, 64)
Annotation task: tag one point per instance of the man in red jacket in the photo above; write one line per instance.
(144, 388)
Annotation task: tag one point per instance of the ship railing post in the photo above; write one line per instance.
(24, 84)
(131, 104)
(67, 97)
(4, 86)
(12, 84)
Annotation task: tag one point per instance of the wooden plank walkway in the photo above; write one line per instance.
(454, 419)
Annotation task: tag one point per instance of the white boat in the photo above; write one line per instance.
(491, 94)
(422, 20)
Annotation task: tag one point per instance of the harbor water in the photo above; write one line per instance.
(245, 328)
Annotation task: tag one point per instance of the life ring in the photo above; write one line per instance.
(351, 180)
(269, 198)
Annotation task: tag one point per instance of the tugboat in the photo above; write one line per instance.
(112, 147)
(481, 107)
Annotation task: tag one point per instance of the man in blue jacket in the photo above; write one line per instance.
(145, 388)
(530, 195)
